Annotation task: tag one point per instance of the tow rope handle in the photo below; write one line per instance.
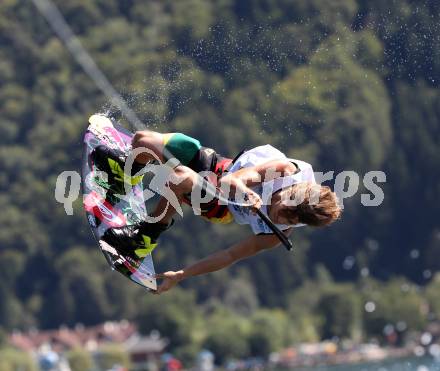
(281, 236)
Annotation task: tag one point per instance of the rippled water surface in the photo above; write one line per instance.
(408, 364)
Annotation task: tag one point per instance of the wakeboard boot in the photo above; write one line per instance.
(112, 162)
(137, 240)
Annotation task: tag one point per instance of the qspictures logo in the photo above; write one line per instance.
(163, 178)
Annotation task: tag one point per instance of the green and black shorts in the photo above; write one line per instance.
(192, 154)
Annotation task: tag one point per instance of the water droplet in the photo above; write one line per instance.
(388, 329)
(349, 262)
(427, 274)
(365, 272)
(401, 326)
(434, 350)
(370, 307)
(419, 352)
(426, 338)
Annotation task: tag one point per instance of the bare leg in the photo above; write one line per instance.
(182, 179)
(181, 183)
(151, 141)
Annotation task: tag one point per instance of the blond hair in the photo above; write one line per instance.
(318, 206)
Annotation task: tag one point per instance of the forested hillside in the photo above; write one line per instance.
(342, 84)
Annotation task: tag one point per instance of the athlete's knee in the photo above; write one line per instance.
(151, 144)
(137, 135)
(141, 138)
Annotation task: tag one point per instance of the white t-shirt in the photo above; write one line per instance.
(256, 156)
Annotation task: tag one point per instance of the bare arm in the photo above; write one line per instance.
(219, 260)
(239, 182)
(264, 172)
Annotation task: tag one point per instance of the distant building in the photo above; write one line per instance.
(144, 351)
(65, 338)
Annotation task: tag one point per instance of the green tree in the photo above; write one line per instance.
(79, 360)
(12, 360)
(226, 336)
(416, 130)
(343, 84)
(80, 290)
(341, 311)
(340, 105)
(269, 332)
(432, 295)
(111, 355)
(11, 311)
(396, 301)
(174, 315)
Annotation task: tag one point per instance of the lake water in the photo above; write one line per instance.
(408, 364)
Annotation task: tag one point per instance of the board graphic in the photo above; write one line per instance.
(107, 209)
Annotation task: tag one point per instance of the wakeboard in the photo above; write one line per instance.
(105, 208)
